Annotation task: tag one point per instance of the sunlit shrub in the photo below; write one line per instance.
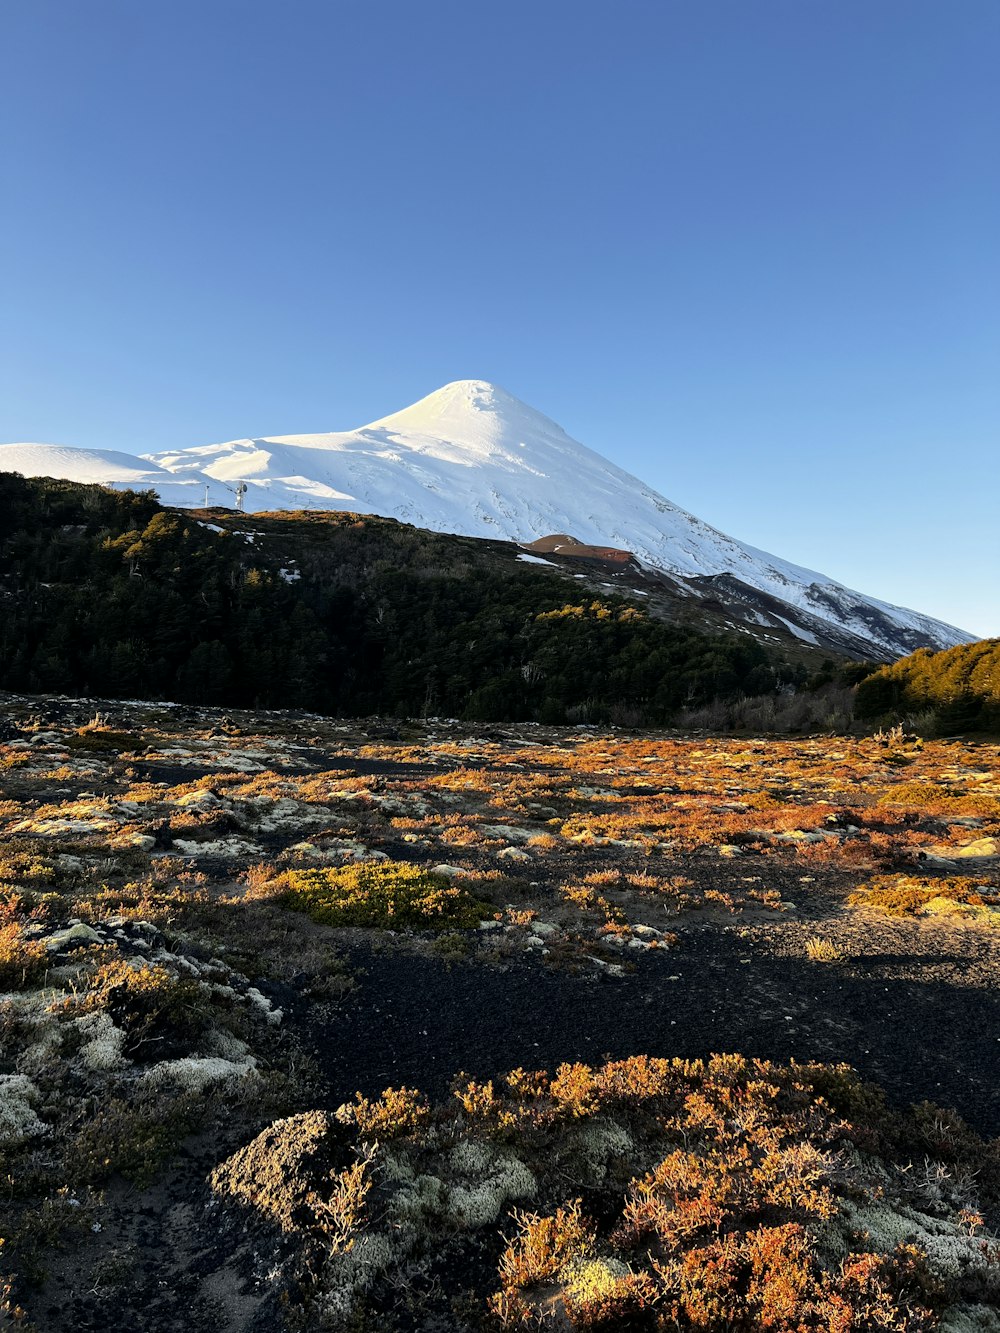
(22, 960)
(545, 1245)
(388, 894)
(905, 895)
(397, 1112)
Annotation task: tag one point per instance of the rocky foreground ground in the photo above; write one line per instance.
(223, 937)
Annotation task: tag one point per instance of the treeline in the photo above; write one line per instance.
(107, 594)
(947, 692)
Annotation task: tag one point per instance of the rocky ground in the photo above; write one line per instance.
(189, 951)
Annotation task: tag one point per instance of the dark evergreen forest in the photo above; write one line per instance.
(107, 594)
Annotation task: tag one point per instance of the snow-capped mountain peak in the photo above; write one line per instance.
(471, 458)
(485, 419)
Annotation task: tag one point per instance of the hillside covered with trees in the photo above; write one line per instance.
(108, 594)
(953, 691)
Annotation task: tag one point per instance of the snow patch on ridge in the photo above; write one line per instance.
(103, 467)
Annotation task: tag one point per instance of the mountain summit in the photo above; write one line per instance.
(482, 416)
(472, 459)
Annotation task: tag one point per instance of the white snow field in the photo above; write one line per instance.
(102, 467)
(472, 459)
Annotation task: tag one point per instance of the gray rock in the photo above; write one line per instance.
(74, 936)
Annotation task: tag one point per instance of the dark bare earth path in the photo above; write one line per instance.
(918, 1012)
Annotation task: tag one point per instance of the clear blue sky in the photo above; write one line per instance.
(750, 251)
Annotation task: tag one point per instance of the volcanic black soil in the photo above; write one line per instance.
(917, 1012)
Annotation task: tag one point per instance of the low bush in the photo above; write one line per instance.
(906, 895)
(159, 1013)
(131, 1136)
(398, 1112)
(665, 1194)
(22, 959)
(388, 895)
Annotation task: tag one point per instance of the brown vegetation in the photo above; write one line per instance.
(162, 876)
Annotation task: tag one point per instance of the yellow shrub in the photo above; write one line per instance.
(22, 960)
(388, 894)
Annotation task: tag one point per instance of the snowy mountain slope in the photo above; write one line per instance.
(102, 467)
(472, 459)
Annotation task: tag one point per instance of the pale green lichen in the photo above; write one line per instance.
(18, 1120)
(970, 1319)
(34, 1011)
(472, 1158)
(477, 1181)
(350, 1272)
(224, 1044)
(102, 1041)
(602, 1141)
(497, 1178)
(951, 1251)
(268, 1011)
(421, 1199)
(196, 1073)
(396, 1168)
